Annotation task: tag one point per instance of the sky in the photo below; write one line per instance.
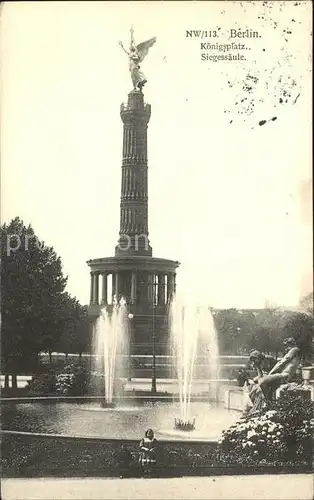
(229, 142)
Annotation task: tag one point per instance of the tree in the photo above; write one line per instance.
(247, 329)
(32, 284)
(270, 322)
(301, 327)
(74, 327)
(239, 331)
(228, 324)
(307, 304)
(84, 337)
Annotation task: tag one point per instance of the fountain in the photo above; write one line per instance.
(194, 345)
(110, 345)
(208, 349)
(193, 338)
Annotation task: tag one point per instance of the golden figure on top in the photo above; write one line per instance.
(137, 54)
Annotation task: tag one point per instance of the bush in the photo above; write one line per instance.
(72, 381)
(283, 435)
(43, 384)
(297, 416)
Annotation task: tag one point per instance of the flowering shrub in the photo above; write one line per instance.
(282, 435)
(64, 383)
(72, 381)
(297, 416)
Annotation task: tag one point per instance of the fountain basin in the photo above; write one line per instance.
(125, 421)
(48, 455)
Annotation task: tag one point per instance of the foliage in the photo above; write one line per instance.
(42, 385)
(270, 324)
(307, 303)
(284, 435)
(37, 314)
(74, 335)
(226, 322)
(72, 381)
(297, 416)
(31, 287)
(27, 455)
(239, 331)
(301, 327)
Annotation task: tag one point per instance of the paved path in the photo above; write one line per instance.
(281, 487)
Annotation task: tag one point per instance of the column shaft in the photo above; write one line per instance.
(113, 286)
(96, 288)
(117, 285)
(161, 289)
(91, 300)
(104, 289)
(133, 288)
(150, 288)
(170, 286)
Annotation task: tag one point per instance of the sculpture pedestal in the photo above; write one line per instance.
(181, 425)
(104, 404)
(304, 390)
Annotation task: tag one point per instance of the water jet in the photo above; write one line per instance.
(193, 337)
(110, 345)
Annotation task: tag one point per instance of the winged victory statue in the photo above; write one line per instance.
(137, 54)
